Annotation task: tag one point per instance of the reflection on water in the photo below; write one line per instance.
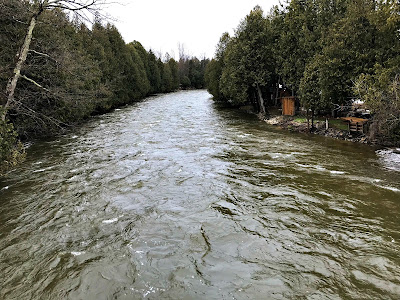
(173, 198)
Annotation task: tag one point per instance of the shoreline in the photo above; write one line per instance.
(289, 123)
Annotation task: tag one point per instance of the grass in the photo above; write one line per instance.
(338, 124)
(333, 123)
(300, 120)
(304, 119)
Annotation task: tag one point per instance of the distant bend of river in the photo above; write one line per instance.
(175, 198)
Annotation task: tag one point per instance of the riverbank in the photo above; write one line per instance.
(337, 129)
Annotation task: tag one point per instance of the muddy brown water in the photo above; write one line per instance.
(175, 198)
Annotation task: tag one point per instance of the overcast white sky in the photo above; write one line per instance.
(162, 24)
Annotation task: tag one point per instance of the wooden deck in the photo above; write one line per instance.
(355, 124)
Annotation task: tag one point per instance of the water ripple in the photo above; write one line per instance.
(175, 198)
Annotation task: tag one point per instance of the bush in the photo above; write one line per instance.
(11, 150)
(381, 92)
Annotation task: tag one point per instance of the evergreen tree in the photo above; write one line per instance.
(249, 62)
(140, 83)
(213, 71)
(173, 66)
(167, 79)
(35, 10)
(348, 50)
(298, 41)
(310, 90)
(154, 73)
(67, 72)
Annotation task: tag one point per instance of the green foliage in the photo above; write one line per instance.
(338, 124)
(381, 92)
(232, 84)
(185, 82)
(74, 72)
(310, 87)
(315, 48)
(173, 66)
(11, 150)
(196, 76)
(298, 40)
(154, 73)
(11, 37)
(300, 120)
(69, 80)
(191, 72)
(214, 69)
(212, 78)
(248, 59)
(167, 79)
(310, 90)
(348, 50)
(139, 83)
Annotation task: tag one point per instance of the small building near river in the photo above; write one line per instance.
(288, 105)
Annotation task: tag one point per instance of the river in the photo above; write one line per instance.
(175, 198)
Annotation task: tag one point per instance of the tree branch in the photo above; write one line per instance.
(34, 82)
(18, 21)
(42, 54)
(38, 116)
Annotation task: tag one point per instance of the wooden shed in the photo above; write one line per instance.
(288, 106)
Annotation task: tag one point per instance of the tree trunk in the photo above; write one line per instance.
(261, 101)
(12, 83)
(312, 120)
(253, 100)
(277, 92)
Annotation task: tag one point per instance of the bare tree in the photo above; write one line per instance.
(182, 52)
(80, 8)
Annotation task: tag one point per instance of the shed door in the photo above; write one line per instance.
(288, 106)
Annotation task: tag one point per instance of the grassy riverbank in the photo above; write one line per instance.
(337, 128)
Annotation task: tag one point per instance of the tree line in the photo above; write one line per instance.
(324, 52)
(71, 71)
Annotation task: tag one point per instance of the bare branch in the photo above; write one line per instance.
(77, 7)
(34, 82)
(42, 54)
(18, 21)
(37, 116)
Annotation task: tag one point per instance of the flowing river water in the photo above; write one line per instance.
(175, 198)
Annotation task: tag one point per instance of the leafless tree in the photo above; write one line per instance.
(182, 52)
(82, 9)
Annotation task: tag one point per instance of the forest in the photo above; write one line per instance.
(72, 72)
(326, 53)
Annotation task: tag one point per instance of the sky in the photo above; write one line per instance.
(161, 25)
